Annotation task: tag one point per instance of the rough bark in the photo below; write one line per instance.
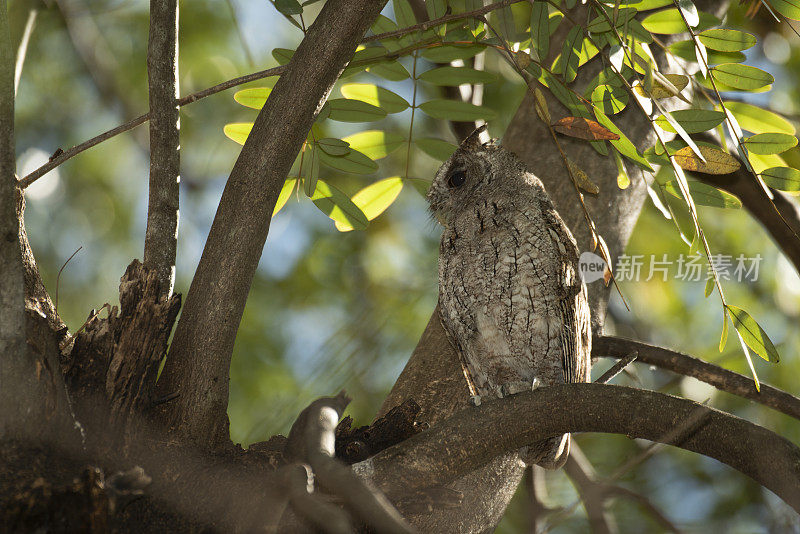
(200, 354)
(161, 238)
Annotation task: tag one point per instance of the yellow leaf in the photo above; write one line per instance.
(717, 161)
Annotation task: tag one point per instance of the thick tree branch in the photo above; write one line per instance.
(722, 379)
(161, 238)
(200, 353)
(476, 435)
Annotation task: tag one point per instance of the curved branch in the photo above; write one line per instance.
(722, 379)
(199, 358)
(475, 436)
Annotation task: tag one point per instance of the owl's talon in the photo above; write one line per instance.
(512, 388)
(535, 384)
(475, 400)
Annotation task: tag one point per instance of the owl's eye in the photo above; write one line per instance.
(457, 178)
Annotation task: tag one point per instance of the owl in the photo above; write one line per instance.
(510, 296)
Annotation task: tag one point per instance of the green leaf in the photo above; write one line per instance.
(600, 23)
(288, 7)
(570, 53)
(752, 334)
(742, 77)
(448, 53)
(456, 76)
(692, 120)
(609, 98)
(283, 196)
(455, 110)
(353, 162)
(374, 199)
(255, 97)
(435, 148)
(238, 131)
(788, 8)
(333, 146)
(782, 178)
(403, 13)
(377, 96)
(393, 71)
(770, 143)
(705, 195)
(758, 120)
(623, 144)
(709, 286)
(348, 110)
(540, 29)
(723, 340)
(686, 50)
(727, 40)
(436, 8)
(375, 144)
(282, 55)
(338, 206)
(669, 21)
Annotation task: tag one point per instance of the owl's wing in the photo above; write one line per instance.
(575, 335)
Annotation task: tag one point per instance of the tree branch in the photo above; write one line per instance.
(199, 358)
(161, 238)
(581, 474)
(722, 379)
(476, 435)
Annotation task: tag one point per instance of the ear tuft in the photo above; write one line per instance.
(473, 140)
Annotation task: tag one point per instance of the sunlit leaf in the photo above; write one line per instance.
(667, 21)
(377, 96)
(435, 148)
(705, 195)
(456, 76)
(788, 8)
(723, 340)
(374, 199)
(770, 143)
(375, 144)
(758, 120)
(570, 53)
(238, 131)
(338, 206)
(742, 77)
(456, 110)
(349, 110)
(692, 120)
(752, 334)
(717, 161)
(353, 162)
(333, 146)
(283, 196)
(726, 40)
(660, 90)
(254, 97)
(782, 178)
(686, 50)
(623, 144)
(623, 180)
(609, 98)
(689, 12)
(584, 129)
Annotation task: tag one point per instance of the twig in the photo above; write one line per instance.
(722, 379)
(22, 49)
(617, 368)
(58, 276)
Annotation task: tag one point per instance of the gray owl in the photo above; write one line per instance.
(510, 296)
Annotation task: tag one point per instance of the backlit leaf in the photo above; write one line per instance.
(338, 206)
(609, 98)
(377, 96)
(375, 144)
(758, 120)
(374, 199)
(726, 40)
(705, 195)
(254, 97)
(623, 144)
(692, 120)
(238, 131)
(770, 143)
(717, 161)
(788, 8)
(741, 77)
(752, 334)
(283, 196)
(782, 178)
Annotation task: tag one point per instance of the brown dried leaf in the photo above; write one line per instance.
(717, 161)
(661, 90)
(541, 105)
(582, 178)
(584, 129)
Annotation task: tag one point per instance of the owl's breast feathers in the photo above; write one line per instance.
(511, 298)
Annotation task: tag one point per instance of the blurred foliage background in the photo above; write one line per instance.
(331, 310)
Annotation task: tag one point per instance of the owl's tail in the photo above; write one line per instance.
(549, 453)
